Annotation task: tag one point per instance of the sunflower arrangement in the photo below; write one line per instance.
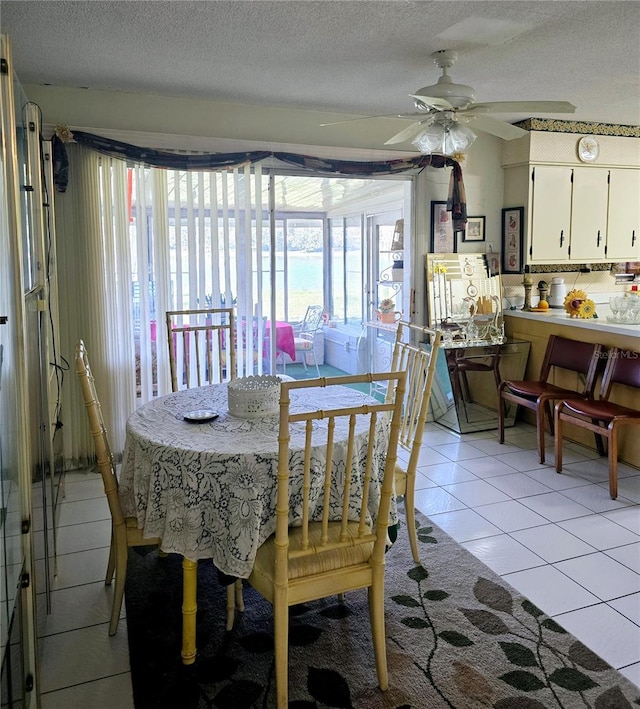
(587, 309)
(577, 305)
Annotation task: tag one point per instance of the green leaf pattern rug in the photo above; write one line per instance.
(457, 637)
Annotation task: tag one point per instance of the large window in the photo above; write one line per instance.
(203, 239)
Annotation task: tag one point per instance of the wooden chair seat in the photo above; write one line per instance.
(604, 411)
(323, 562)
(400, 478)
(561, 353)
(541, 390)
(602, 416)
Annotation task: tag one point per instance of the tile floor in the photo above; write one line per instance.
(559, 539)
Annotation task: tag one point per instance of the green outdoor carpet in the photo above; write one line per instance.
(297, 371)
(457, 637)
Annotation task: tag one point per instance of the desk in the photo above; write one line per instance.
(284, 338)
(208, 490)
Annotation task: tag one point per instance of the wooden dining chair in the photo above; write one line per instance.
(420, 365)
(202, 350)
(202, 346)
(336, 543)
(561, 353)
(124, 530)
(601, 415)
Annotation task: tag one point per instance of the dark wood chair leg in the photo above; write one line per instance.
(613, 462)
(558, 441)
(602, 451)
(540, 430)
(549, 413)
(501, 415)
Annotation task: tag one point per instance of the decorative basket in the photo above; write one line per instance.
(254, 396)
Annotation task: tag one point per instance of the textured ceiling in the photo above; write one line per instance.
(352, 57)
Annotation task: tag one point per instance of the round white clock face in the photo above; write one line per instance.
(588, 149)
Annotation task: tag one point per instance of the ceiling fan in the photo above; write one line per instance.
(445, 105)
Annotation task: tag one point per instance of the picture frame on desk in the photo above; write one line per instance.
(474, 230)
(443, 238)
(512, 240)
(493, 263)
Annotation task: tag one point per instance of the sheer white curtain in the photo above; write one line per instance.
(135, 242)
(93, 261)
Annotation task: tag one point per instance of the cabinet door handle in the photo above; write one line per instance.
(561, 237)
(633, 238)
(599, 239)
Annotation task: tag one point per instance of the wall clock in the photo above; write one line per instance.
(588, 149)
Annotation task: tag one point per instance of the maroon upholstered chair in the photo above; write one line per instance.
(602, 416)
(563, 353)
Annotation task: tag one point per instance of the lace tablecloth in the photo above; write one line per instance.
(208, 490)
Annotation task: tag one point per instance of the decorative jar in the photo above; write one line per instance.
(254, 396)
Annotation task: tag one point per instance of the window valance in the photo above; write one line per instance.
(150, 157)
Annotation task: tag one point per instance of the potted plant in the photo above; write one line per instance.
(386, 311)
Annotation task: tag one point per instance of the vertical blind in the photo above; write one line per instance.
(136, 242)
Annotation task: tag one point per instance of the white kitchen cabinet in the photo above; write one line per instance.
(550, 223)
(623, 232)
(579, 214)
(589, 200)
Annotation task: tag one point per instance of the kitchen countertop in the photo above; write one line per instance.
(558, 316)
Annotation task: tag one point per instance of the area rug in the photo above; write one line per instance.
(457, 637)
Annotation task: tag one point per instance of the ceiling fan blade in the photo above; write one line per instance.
(523, 107)
(440, 103)
(350, 120)
(410, 131)
(499, 128)
(418, 114)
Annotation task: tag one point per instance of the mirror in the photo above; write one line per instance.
(464, 299)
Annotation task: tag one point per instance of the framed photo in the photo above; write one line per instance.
(512, 240)
(443, 238)
(474, 230)
(493, 263)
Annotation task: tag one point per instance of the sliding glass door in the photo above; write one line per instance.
(267, 243)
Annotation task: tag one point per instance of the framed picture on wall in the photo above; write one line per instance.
(512, 240)
(443, 238)
(474, 230)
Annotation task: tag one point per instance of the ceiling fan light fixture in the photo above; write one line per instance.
(445, 139)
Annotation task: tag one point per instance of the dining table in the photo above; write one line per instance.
(205, 483)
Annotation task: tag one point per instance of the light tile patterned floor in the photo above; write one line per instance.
(558, 539)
